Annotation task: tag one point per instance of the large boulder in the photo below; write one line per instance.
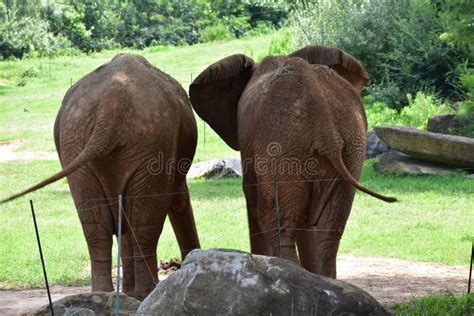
(216, 169)
(375, 146)
(90, 304)
(394, 162)
(227, 282)
(456, 151)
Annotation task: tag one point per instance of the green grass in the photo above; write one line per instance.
(437, 305)
(434, 220)
(43, 93)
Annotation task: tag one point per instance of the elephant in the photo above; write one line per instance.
(114, 127)
(283, 112)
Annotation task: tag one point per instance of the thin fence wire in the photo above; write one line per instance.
(185, 192)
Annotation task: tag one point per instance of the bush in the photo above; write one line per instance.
(394, 39)
(379, 113)
(22, 35)
(416, 114)
(388, 92)
(281, 43)
(219, 32)
(421, 108)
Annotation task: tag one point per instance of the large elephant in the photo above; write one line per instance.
(127, 129)
(300, 125)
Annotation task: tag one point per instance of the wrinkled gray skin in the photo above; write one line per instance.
(306, 109)
(112, 127)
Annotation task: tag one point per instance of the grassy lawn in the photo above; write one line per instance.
(47, 80)
(434, 220)
(437, 305)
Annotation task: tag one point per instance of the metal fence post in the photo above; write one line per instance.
(41, 256)
(277, 210)
(119, 241)
(470, 270)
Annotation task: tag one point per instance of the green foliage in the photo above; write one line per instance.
(416, 114)
(398, 40)
(21, 34)
(465, 109)
(409, 230)
(457, 19)
(281, 42)
(92, 25)
(437, 305)
(218, 32)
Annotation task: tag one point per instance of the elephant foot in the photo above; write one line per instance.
(141, 295)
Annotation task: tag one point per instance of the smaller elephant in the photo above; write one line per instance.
(127, 129)
(299, 123)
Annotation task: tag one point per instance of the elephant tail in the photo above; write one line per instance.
(338, 163)
(100, 143)
(80, 160)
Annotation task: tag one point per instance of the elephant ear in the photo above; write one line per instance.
(344, 64)
(215, 94)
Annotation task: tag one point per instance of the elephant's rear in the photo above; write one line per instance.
(136, 124)
(133, 110)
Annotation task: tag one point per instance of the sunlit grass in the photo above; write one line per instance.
(433, 221)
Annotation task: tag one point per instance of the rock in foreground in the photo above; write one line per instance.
(456, 151)
(226, 282)
(90, 304)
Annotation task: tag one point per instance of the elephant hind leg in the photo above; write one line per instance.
(281, 224)
(128, 263)
(259, 244)
(318, 245)
(95, 214)
(182, 219)
(146, 203)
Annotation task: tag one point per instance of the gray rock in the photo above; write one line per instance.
(375, 146)
(227, 282)
(394, 162)
(90, 304)
(216, 169)
(456, 151)
(445, 123)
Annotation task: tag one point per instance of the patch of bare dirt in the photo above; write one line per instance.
(8, 153)
(388, 280)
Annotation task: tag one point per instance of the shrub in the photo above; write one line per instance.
(416, 114)
(388, 92)
(21, 35)
(218, 32)
(418, 111)
(394, 39)
(379, 113)
(281, 42)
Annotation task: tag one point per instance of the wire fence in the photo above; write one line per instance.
(273, 233)
(277, 230)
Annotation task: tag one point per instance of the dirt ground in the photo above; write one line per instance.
(387, 280)
(8, 153)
